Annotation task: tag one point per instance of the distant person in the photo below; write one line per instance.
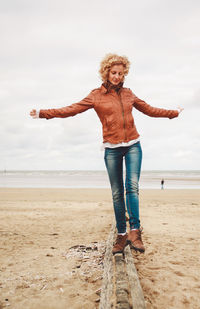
(162, 184)
(113, 104)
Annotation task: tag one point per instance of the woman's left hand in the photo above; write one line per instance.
(180, 109)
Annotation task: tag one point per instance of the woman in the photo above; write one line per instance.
(113, 104)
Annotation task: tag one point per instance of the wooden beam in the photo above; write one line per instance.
(137, 296)
(121, 283)
(107, 282)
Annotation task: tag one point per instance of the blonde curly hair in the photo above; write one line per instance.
(108, 61)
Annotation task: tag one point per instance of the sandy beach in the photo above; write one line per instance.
(52, 243)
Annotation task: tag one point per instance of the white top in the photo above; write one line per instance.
(109, 145)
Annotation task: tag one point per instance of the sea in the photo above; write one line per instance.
(181, 179)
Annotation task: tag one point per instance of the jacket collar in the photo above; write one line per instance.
(103, 89)
(108, 87)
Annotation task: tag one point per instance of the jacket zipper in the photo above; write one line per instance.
(124, 124)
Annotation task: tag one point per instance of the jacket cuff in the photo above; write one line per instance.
(43, 115)
(174, 114)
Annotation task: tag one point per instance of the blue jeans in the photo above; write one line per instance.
(114, 164)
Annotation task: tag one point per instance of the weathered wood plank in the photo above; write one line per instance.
(107, 282)
(135, 287)
(121, 283)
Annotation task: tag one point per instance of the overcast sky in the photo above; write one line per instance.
(49, 57)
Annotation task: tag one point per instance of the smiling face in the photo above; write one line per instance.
(116, 74)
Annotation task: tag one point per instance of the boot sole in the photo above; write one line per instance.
(122, 252)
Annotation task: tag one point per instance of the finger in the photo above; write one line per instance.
(32, 113)
(180, 109)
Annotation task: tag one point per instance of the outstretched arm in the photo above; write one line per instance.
(67, 111)
(151, 111)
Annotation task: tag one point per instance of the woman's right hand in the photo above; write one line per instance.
(33, 113)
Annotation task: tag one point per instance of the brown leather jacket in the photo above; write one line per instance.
(114, 110)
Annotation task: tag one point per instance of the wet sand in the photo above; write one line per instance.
(53, 241)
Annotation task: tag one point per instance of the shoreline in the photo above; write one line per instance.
(96, 179)
(93, 188)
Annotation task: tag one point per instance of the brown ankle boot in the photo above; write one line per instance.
(120, 244)
(135, 240)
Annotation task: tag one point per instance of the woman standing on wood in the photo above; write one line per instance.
(113, 104)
